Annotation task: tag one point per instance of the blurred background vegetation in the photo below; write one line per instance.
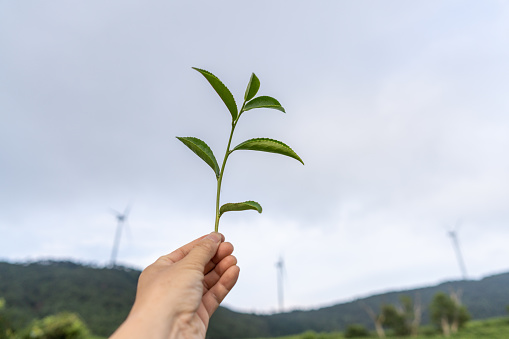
(54, 299)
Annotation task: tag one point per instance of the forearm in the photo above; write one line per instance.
(145, 325)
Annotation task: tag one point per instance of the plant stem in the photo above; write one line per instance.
(221, 172)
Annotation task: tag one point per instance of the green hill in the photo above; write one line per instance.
(101, 296)
(485, 298)
(104, 296)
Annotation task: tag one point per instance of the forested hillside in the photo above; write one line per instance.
(103, 297)
(484, 299)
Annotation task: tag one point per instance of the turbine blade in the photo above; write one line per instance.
(115, 212)
(127, 210)
(458, 224)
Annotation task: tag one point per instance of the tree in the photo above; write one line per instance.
(404, 319)
(447, 312)
(62, 325)
(412, 312)
(378, 319)
(395, 319)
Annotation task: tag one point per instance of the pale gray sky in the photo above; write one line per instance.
(399, 110)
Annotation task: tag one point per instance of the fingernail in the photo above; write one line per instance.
(214, 236)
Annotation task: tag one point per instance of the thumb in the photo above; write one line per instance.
(204, 250)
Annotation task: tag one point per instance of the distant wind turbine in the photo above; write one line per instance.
(121, 220)
(455, 242)
(280, 266)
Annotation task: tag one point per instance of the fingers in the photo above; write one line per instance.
(220, 290)
(183, 251)
(224, 250)
(214, 275)
(203, 251)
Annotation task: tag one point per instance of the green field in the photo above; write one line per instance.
(497, 328)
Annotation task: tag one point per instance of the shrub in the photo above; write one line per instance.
(60, 326)
(356, 331)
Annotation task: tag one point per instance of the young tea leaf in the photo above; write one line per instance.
(222, 90)
(268, 145)
(252, 87)
(264, 102)
(240, 206)
(202, 150)
(259, 144)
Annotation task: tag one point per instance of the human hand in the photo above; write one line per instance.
(179, 292)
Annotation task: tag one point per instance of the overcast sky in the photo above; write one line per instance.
(399, 110)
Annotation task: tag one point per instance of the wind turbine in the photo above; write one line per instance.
(454, 237)
(121, 220)
(280, 266)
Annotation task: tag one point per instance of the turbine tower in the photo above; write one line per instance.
(454, 237)
(280, 266)
(121, 220)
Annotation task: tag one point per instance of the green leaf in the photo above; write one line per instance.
(222, 90)
(268, 145)
(252, 87)
(202, 150)
(264, 102)
(240, 206)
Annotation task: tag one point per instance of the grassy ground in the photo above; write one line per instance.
(482, 329)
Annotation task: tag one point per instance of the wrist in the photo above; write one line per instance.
(145, 324)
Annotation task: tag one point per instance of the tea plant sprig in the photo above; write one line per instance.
(257, 144)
